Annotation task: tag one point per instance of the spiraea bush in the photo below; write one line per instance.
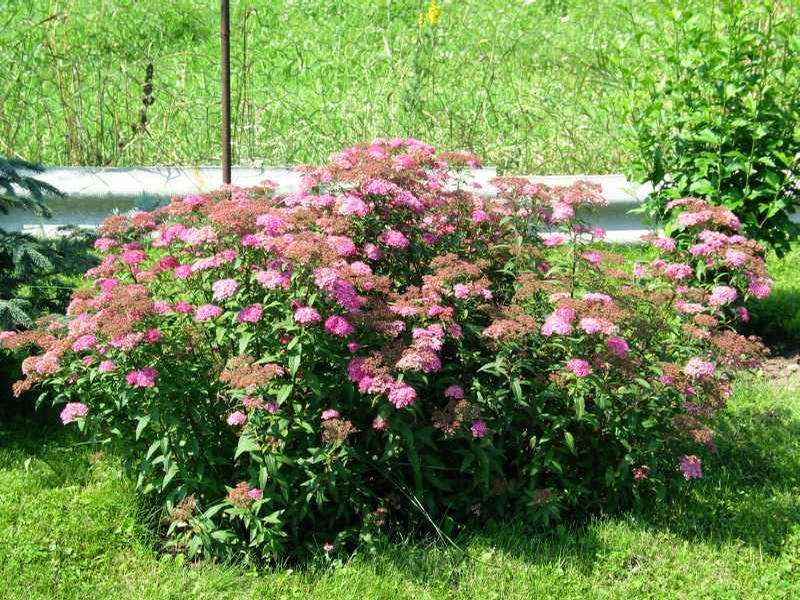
(390, 347)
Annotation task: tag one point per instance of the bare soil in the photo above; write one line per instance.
(783, 369)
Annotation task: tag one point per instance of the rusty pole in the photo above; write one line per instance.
(225, 34)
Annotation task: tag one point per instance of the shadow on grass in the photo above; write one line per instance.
(776, 318)
(37, 441)
(748, 495)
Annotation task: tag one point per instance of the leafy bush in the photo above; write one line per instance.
(293, 374)
(35, 273)
(722, 116)
(21, 256)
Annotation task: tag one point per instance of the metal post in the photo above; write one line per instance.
(224, 34)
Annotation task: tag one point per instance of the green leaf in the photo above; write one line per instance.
(170, 475)
(701, 187)
(570, 441)
(294, 363)
(143, 422)
(517, 389)
(213, 510)
(244, 341)
(413, 456)
(246, 444)
(580, 408)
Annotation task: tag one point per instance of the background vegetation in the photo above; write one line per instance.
(530, 85)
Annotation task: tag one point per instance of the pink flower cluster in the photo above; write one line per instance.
(699, 369)
(143, 378)
(559, 322)
(73, 411)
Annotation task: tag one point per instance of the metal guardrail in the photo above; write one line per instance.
(94, 193)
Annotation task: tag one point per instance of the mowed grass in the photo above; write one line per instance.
(539, 86)
(70, 527)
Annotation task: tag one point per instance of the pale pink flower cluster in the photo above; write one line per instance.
(722, 294)
(330, 413)
(205, 264)
(343, 245)
(305, 315)
(73, 411)
(273, 278)
(273, 224)
(338, 326)
(592, 325)
(555, 239)
(198, 236)
(597, 297)
(402, 395)
(455, 392)
(479, 428)
(759, 287)
(558, 322)
(352, 205)
(678, 271)
(126, 342)
(689, 308)
(237, 419)
(698, 368)
(207, 312)
(423, 355)
(691, 467)
(664, 244)
(691, 219)
(394, 239)
(224, 288)
(579, 367)
(85, 342)
(250, 314)
(104, 244)
(618, 345)
(592, 257)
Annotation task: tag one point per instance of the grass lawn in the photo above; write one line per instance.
(533, 86)
(70, 528)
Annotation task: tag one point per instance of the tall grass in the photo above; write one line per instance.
(532, 86)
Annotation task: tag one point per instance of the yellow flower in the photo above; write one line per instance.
(430, 16)
(434, 12)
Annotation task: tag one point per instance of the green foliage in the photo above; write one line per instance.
(21, 256)
(34, 273)
(338, 72)
(12, 182)
(721, 116)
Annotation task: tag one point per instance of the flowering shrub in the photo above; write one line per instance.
(288, 373)
(719, 118)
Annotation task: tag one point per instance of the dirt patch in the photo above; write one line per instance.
(783, 369)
